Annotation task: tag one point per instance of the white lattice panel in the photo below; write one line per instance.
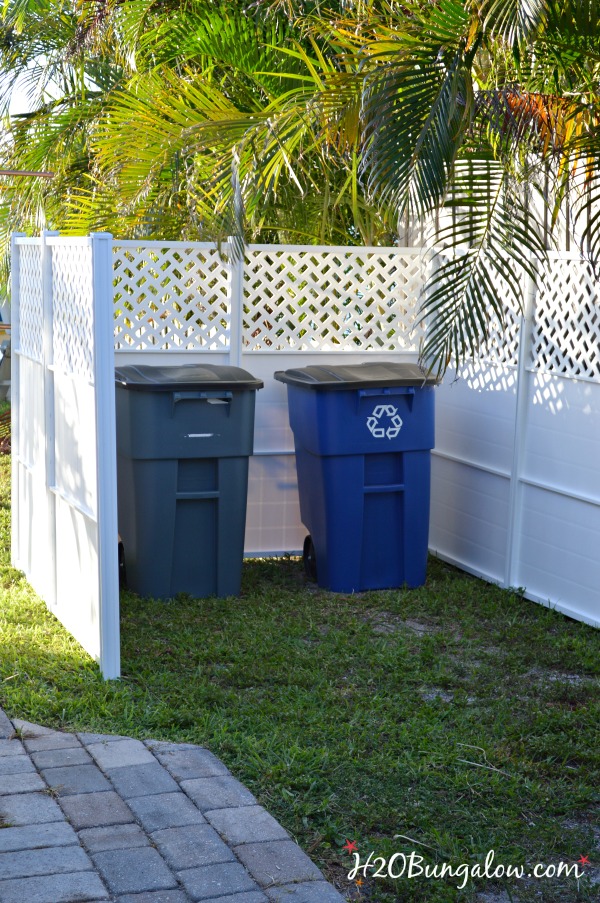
(502, 343)
(73, 309)
(566, 335)
(170, 296)
(498, 342)
(306, 299)
(31, 318)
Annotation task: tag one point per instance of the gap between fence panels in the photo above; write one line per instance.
(266, 312)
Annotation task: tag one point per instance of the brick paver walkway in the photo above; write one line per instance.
(90, 817)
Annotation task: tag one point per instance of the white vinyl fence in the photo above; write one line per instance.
(64, 528)
(516, 468)
(515, 487)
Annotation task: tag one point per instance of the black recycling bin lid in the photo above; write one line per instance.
(185, 378)
(373, 374)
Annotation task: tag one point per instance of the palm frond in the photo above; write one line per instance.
(513, 20)
(415, 115)
(417, 103)
(487, 244)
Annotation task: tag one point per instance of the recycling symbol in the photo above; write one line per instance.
(384, 422)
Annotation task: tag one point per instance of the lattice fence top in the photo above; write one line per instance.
(170, 296)
(333, 299)
(565, 338)
(179, 295)
(497, 339)
(503, 333)
(73, 309)
(31, 316)
(566, 333)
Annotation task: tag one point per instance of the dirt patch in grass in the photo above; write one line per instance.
(386, 624)
(544, 675)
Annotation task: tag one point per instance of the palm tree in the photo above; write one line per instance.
(51, 50)
(484, 111)
(194, 80)
(478, 116)
(235, 136)
(276, 119)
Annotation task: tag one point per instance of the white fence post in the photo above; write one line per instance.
(236, 266)
(49, 418)
(515, 501)
(102, 278)
(15, 255)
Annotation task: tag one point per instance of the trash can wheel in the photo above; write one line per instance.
(122, 567)
(310, 559)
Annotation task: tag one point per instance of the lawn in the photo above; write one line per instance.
(450, 720)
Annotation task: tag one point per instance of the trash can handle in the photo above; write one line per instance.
(387, 390)
(214, 397)
(194, 396)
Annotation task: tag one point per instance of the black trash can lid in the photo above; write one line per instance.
(185, 378)
(373, 375)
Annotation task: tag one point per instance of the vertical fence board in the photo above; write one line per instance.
(49, 416)
(15, 412)
(105, 432)
(30, 550)
(64, 482)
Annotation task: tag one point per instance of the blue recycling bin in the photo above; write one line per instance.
(363, 436)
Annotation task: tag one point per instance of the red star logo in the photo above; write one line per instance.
(350, 845)
(583, 860)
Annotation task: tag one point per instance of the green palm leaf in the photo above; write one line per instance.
(483, 251)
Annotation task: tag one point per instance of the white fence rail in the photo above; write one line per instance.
(516, 475)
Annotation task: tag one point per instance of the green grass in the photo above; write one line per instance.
(458, 715)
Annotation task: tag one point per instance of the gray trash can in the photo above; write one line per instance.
(184, 436)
